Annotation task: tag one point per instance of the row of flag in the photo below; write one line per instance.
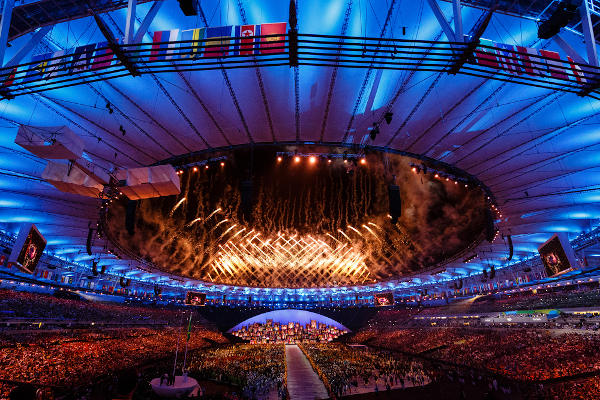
(519, 60)
(196, 43)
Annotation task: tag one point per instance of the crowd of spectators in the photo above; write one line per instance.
(67, 360)
(15, 306)
(349, 370)
(525, 355)
(258, 370)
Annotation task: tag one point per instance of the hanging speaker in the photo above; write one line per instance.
(122, 282)
(510, 247)
(492, 272)
(130, 217)
(88, 243)
(95, 268)
(489, 226)
(189, 7)
(103, 269)
(128, 282)
(395, 202)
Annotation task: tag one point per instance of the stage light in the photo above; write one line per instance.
(436, 175)
(329, 160)
(312, 159)
(297, 159)
(279, 159)
(414, 169)
(222, 164)
(195, 169)
(363, 161)
(206, 167)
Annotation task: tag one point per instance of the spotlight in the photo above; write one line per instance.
(363, 161)
(329, 160)
(195, 169)
(436, 175)
(206, 167)
(312, 159)
(414, 169)
(388, 117)
(297, 159)
(279, 159)
(222, 163)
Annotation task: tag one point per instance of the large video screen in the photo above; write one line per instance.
(384, 299)
(195, 298)
(557, 255)
(28, 248)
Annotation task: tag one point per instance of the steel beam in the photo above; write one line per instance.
(7, 9)
(27, 47)
(563, 44)
(130, 23)
(588, 34)
(147, 21)
(458, 25)
(442, 20)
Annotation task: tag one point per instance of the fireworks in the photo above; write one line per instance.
(286, 258)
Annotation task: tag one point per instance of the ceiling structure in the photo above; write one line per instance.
(536, 149)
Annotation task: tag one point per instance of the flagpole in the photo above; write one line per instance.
(187, 341)
(177, 349)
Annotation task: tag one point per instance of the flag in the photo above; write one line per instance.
(9, 80)
(526, 60)
(245, 44)
(37, 69)
(189, 330)
(59, 65)
(162, 48)
(82, 58)
(220, 38)
(487, 59)
(103, 57)
(507, 57)
(192, 40)
(269, 44)
(557, 68)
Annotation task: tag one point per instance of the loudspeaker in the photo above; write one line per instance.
(88, 243)
(247, 199)
(122, 282)
(510, 247)
(189, 7)
(95, 268)
(130, 217)
(103, 269)
(489, 226)
(492, 272)
(395, 202)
